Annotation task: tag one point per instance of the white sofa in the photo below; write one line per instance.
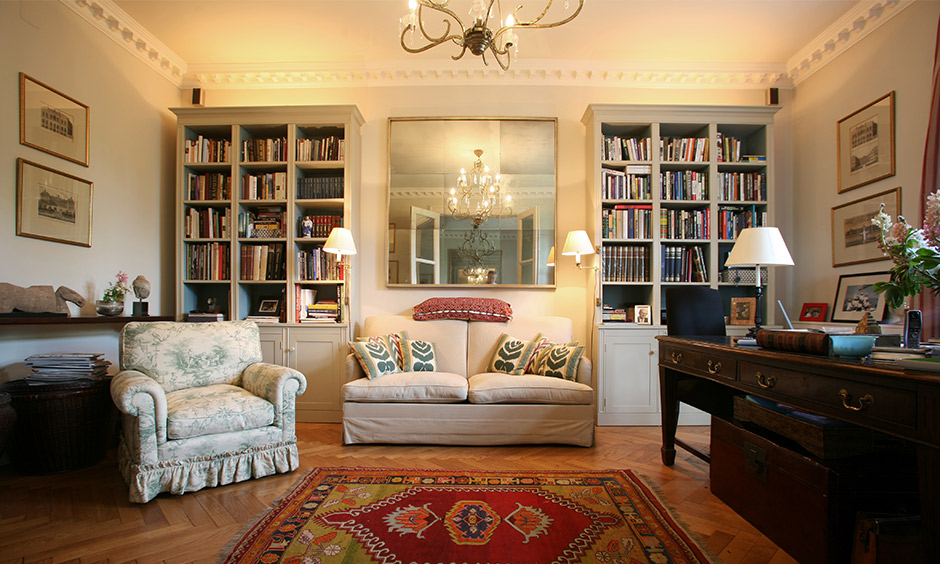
(462, 403)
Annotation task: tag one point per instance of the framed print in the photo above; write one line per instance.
(53, 122)
(854, 237)
(742, 311)
(813, 312)
(642, 315)
(269, 307)
(855, 295)
(866, 144)
(52, 205)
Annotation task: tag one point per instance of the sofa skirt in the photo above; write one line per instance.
(468, 424)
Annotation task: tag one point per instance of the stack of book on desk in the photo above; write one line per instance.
(65, 367)
(924, 357)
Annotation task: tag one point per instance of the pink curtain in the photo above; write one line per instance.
(929, 304)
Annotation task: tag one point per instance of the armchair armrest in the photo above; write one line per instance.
(584, 374)
(353, 368)
(143, 401)
(279, 385)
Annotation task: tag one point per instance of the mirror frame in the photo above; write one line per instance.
(388, 198)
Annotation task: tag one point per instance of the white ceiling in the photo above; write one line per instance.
(226, 41)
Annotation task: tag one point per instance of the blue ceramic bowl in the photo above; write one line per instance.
(851, 346)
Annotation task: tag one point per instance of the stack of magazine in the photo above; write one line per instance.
(66, 367)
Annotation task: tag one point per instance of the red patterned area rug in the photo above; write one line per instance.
(374, 515)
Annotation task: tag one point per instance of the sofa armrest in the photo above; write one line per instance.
(585, 372)
(279, 385)
(143, 402)
(353, 370)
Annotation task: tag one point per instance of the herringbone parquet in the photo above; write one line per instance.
(83, 517)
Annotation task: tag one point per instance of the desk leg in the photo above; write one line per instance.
(928, 469)
(669, 401)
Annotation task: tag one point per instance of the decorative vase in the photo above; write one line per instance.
(109, 308)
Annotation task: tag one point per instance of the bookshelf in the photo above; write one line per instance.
(258, 191)
(670, 188)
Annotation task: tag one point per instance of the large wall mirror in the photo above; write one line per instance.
(471, 201)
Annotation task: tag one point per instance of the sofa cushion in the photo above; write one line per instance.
(448, 335)
(478, 309)
(492, 387)
(482, 337)
(392, 342)
(419, 356)
(559, 361)
(219, 408)
(512, 355)
(374, 357)
(408, 387)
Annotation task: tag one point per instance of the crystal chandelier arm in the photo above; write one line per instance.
(534, 23)
(433, 41)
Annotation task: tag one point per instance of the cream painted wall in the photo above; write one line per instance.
(131, 166)
(898, 56)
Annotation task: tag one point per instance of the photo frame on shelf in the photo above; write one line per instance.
(866, 144)
(643, 315)
(52, 205)
(814, 312)
(743, 311)
(269, 306)
(855, 296)
(53, 122)
(854, 236)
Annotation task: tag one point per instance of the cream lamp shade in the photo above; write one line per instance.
(759, 246)
(340, 242)
(578, 243)
(551, 257)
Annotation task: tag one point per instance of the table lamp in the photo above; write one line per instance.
(757, 247)
(340, 243)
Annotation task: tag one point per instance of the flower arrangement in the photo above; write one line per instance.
(117, 289)
(915, 252)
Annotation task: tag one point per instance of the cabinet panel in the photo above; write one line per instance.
(318, 354)
(628, 377)
(272, 344)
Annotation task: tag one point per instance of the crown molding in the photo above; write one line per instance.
(856, 24)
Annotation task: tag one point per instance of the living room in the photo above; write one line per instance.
(133, 143)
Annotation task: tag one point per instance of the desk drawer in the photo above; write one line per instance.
(855, 399)
(703, 363)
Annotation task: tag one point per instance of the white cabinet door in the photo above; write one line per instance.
(628, 378)
(318, 352)
(272, 344)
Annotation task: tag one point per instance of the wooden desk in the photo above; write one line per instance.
(901, 403)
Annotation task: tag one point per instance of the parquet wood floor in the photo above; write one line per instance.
(83, 517)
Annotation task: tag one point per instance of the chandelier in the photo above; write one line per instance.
(478, 37)
(476, 248)
(478, 194)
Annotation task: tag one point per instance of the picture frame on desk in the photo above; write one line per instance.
(854, 236)
(52, 205)
(743, 311)
(855, 296)
(866, 144)
(814, 312)
(53, 122)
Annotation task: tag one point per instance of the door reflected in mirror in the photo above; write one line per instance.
(471, 201)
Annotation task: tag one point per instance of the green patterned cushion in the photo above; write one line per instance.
(392, 342)
(559, 361)
(419, 356)
(512, 355)
(375, 358)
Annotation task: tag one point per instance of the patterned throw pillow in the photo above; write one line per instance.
(392, 342)
(559, 361)
(540, 345)
(512, 355)
(471, 309)
(375, 358)
(420, 356)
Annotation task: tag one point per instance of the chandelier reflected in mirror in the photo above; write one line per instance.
(477, 36)
(479, 194)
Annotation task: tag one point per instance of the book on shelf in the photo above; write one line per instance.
(207, 223)
(208, 186)
(201, 317)
(684, 224)
(683, 149)
(330, 148)
(262, 262)
(303, 297)
(624, 263)
(318, 225)
(615, 148)
(207, 261)
(316, 264)
(65, 367)
(742, 186)
(268, 186)
(206, 150)
(683, 185)
(264, 150)
(265, 222)
(320, 187)
(263, 319)
(683, 264)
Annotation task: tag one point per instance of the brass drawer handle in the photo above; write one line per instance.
(714, 367)
(677, 358)
(765, 381)
(864, 402)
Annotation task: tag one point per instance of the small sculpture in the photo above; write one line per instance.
(38, 299)
(141, 288)
(868, 325)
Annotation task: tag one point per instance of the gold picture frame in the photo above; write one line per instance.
(743, 311)
(865, 141)
(53, 122)
(854, 237)
(52, 205)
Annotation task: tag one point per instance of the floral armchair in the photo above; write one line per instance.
(200, 409)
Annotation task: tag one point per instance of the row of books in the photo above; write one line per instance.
(731, 220)
(610, 313)
(627, 221)
(269, 186)
(683, 264)
(263, 223)
(632, 184)
(689, 149)
(308, 309)
(683, 185)
(207, 261)
(330, 148)
(616, 148)
(264, 150)
(206, 150)
(742, 186)
(64, 367)
(206, 223)
(209, 186)
(319, 225)
(625, 263)
(262, 262)
(684, 224)
(319, 187)
(731, 150)
(316, 264)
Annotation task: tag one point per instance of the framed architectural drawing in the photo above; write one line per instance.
(854, 237)
(866, 144)
(53, 122)
(855, 296)
(52, 205)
